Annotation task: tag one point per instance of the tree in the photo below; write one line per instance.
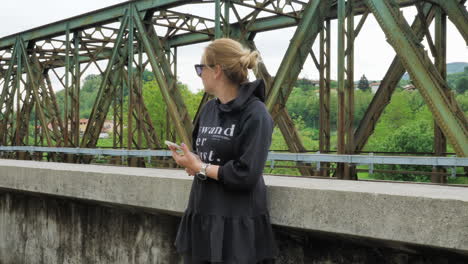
(462, 85)
(364, 84)
(414, 137)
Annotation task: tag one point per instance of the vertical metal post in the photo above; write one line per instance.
(19, 73)
(132, 108)
(36, 129)
(349, 89)
(175, 64)
(440, 142)
(324, 134)
(341, 86)
(121, 113)
(140, 97)
(130, 79)
(227, 24)
(75, 92)
(67, 83)
(118, 117)
(218, 32)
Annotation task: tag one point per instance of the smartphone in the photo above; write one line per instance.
(169, 143)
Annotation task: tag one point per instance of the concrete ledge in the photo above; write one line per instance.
(423, 215)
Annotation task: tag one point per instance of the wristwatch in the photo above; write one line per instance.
(202, 173)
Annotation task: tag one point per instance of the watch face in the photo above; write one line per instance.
(201, 176)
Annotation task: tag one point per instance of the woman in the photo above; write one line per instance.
(227, 220)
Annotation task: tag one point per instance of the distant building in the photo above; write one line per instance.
(83, 125)
(374, 86)
(315, 82)
(107, 127)
(103, 135)
(409, 87)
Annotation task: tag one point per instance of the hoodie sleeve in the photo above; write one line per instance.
(254, 142)
(194, 135)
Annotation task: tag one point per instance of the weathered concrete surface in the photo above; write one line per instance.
(426, 215)
(48, 230)
(45, 229)
(404, 216)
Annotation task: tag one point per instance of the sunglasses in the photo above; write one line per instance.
(199, 68)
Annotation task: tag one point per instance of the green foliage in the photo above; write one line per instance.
(397, 114)
(88, 94)
(362, 100)
(406, 125)
(152, 98)
(462, 100)
(306, 84)
(304, 105)
(457, 81)
(414, 137)
(157, 107)
(462, 85)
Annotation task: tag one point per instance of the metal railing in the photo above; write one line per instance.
(317, 158)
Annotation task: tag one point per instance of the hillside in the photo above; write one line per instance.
(453, 67)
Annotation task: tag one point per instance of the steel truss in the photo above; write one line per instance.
(130, 37)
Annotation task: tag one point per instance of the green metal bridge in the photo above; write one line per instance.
(128, 38)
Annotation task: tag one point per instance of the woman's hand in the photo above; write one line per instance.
(190, 172)
(189, 160)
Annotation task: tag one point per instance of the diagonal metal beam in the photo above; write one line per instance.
(46, 102)
(284, 121)
(388, 85)
(35, 88)
(53, 108)
(178, 111)
(440, 142)
(106, 89)
(307, 30)
(8, 93)
(27, 103)
(422, 71)
(168, 75)
(144, 117)
(101, 16)
(457, 13)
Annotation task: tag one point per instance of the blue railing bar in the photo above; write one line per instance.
(301, 157)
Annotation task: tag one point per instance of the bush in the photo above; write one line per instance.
(415, 137)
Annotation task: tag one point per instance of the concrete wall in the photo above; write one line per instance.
(65, 213)
(48, 230)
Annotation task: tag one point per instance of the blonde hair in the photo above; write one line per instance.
(234, 59)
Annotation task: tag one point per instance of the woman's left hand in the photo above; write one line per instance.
(188, 160)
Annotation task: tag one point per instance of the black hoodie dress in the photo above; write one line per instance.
(228, 220)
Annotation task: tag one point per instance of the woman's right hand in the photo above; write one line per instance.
(190, 171)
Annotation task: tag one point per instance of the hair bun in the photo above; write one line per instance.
(233, 57)
(249, 59)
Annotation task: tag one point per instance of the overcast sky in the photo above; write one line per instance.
(373, 54)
